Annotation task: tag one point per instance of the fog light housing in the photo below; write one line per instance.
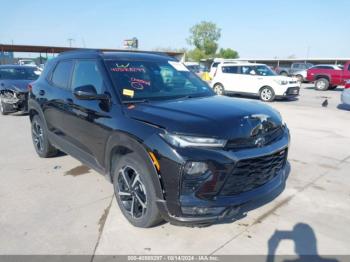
(198, 211)
(195, 168)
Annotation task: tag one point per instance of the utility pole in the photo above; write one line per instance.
(307, 52)
(70, 40)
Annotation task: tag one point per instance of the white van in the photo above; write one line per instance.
(253, 79)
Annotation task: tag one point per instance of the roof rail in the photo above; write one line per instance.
(81, 50)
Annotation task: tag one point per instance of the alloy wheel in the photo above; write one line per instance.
(38, 136)
(218, 90)
(1, 106)
(132, 192)
(321, 84)
(266, 94)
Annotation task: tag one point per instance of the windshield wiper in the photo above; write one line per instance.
(137, 101)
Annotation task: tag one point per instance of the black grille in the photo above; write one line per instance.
(252, 173)
(250, 142)
(293, 91)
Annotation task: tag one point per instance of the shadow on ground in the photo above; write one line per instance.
(305, 245)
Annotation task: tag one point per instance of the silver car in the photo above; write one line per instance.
(345, 96)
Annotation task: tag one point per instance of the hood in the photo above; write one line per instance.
(214, 116)
(16, 85)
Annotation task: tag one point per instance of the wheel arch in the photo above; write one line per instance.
(323, 76)
(261, 88)
(121, 144)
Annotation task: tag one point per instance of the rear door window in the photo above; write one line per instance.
(61, 74)
(230, 69)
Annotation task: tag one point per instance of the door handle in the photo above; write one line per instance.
(41, 92)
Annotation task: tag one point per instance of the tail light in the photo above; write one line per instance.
(30, 87)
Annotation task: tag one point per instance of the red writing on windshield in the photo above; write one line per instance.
(128, 69)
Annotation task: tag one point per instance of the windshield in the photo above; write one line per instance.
(261, 70)
(155, 80)
(20, 73)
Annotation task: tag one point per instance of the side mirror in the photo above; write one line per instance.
(88, 92)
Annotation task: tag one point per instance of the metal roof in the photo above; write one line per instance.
(59, 49)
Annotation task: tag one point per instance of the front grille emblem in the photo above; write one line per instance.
(260, 141)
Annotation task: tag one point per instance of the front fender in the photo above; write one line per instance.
(126, 142)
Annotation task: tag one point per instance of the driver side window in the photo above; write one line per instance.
(86, 72)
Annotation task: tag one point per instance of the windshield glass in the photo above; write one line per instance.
(263, 70)
(155, 80)
(20, 73)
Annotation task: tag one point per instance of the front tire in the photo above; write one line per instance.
(219, 89)
(322, 84)
(3, 107)
(135, 192)
(40, 139)
(267, 94)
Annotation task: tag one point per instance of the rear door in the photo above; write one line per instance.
(229, 77)
(54, 96)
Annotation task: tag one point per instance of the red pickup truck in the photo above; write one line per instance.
(328, 76)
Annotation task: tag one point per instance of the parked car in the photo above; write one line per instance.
(253, 79)
(345, 95)
(328, 76)
(14, 80)
(27, 62)
(155, 130)
(299, 70)
(193, 67)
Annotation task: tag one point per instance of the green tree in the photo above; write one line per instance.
(204, 37)
(196, 55)
(227, 53)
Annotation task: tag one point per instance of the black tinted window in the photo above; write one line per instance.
(29, 73)
(230, 69)
(86, 72)
(215, 64)
(323, 67)
(61, 74)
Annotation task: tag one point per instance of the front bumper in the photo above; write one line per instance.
(14, 101)
(216, 206)
(292, 91)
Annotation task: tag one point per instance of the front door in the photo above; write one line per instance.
(86, 120)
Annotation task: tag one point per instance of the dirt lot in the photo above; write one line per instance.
(58, 206)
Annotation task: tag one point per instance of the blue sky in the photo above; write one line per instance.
(265, 28)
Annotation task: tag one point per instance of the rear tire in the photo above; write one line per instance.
(219, 89)
(283, 73)
(322, 84)
(300, 78)
(267, 94)
(40, 139)
(135, 192)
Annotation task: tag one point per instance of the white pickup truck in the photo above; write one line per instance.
(253, 79)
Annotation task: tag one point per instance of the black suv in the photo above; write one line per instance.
(172, 148)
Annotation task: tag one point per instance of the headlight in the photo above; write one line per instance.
(281, 82)
(192, 141)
